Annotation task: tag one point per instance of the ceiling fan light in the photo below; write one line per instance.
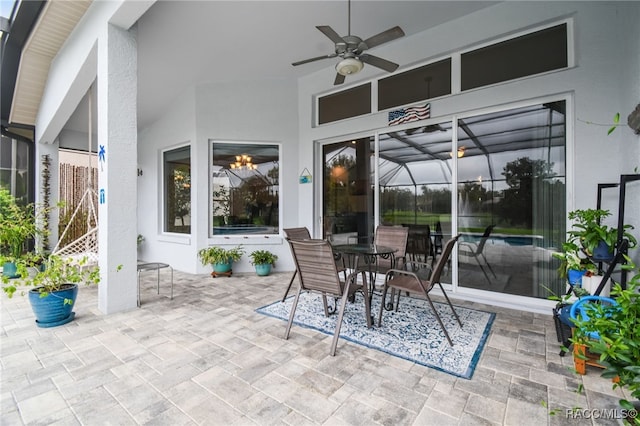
(349, 66)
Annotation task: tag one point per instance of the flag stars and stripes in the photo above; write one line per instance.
(407, 115)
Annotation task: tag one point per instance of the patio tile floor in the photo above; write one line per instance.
(206, 358)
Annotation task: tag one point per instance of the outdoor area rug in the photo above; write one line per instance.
(412, 333)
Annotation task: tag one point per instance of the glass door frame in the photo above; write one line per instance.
(461, 292)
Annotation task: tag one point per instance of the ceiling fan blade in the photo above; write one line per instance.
(317, 58)
(329, 32)
(383, 37)
(339, 79)
(378, 62)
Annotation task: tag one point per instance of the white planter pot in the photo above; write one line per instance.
(591, 285)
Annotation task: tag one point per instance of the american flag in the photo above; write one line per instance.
(406, 115)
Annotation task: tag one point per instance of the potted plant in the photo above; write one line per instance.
(55, 287)
(263, 260)
(17, 227)
(618, 327)
(597, 240)
(219, 258)
(573, 263)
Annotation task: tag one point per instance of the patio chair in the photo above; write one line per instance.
(411, 280)
(395, 237)
(475, 251)
(318, 272)
(419, 244)
(302, 233)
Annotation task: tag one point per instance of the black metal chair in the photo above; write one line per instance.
(475, 251)
(419, 247)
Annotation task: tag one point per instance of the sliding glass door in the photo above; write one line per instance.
(497, 179)
(415, 184)
(347, 197)
(511, 199)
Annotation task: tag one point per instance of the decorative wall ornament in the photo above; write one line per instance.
(305, 176)
(409, 114)
(46, 198)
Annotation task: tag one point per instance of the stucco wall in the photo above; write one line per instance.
(603, 81)
(177, 127)
(259, 111)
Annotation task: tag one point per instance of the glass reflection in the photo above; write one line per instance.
(510, 195)
(415, 186)
(245, 187)
(347, 197)
(510, 200)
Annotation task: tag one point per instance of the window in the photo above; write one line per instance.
(429, 81)
(14, 167)
(177, 190)
(345, 104)
(510, 179)
(347, 198)
(245, 188)
(530, 54)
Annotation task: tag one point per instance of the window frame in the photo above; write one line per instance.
(240, 237)
(512, 37)
(456, 70)
(163, 191)
(373, 89)
(454, 116)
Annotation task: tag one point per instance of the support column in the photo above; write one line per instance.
(117, 162)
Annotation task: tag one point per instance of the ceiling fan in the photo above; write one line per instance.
(351, 49)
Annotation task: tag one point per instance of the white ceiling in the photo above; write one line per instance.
(181, 43)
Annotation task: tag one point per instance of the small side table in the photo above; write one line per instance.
(153, 266)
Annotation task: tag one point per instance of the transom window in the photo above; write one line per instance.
(533, 53)
(345, 104)
(530, 54)
(426, 82)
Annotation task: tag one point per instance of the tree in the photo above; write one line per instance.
(182, 194)
(338, 175)
(524, 177)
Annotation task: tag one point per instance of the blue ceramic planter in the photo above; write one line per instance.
(10, 270)
(601, 253)
(263, 270)
(51, 311)
(575, 277)
(222, 267)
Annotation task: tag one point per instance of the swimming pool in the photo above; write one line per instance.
(506, 239)
(242, 229)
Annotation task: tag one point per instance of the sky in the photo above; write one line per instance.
(5, 7)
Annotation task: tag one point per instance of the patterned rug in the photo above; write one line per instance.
(413, 333)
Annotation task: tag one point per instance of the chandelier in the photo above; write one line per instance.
(243, 162)
(460, 153)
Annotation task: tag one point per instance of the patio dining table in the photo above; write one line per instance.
(369, 253)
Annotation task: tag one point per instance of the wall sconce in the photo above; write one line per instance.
(243, 162)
